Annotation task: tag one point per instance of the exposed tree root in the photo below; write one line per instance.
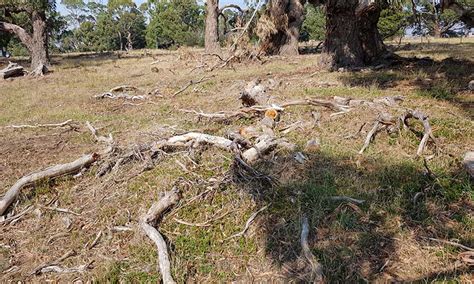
(151, 220)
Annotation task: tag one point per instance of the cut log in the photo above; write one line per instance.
(148, 223)
(51, 172)
(12, 70)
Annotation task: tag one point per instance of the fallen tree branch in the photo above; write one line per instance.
(248, 223)
(61, 210)
(51, 172)
(148, 223)
(47, 125)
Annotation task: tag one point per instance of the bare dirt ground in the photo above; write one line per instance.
(384, 239)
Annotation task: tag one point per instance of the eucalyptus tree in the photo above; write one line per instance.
(28, 21)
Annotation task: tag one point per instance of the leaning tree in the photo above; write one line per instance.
(33, 32)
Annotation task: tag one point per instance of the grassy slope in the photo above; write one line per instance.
(382, 239)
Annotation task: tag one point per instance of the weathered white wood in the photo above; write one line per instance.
(148, 223)
(12, 70)
(51, 172)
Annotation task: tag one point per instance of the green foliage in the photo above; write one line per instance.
(393, 22)
(175, 22)
(314, 25)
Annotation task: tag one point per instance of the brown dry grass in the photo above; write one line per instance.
(382, 241)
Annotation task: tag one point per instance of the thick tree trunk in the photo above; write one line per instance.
(37, 43)
(352, 36)
(286, 17)
(371, 40)
(342, 46)
(211, 39)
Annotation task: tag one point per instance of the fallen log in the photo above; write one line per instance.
(51, 172)
(151, 220)
(12, 70)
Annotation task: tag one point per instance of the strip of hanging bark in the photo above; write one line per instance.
(149, 221)
(51, 172)
(203, 79)
(428, 132)
(12, 70)
(47, 125)
(248, 223)
(316, 272)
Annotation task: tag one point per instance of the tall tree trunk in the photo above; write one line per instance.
(39, 45)
(342, 46)
(281, 36)
(211, 39)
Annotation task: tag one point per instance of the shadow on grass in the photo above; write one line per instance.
(442, 80)
(357, 242)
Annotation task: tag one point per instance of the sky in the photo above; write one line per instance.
(241, 3)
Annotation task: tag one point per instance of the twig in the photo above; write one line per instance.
(96, 240)
(451, 243)
(248, 223)
(15, 218)
(40, 268)
(62, 210)
(189, 85)
(347, 199)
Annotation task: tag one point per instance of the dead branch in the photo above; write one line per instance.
(96, 240)
(61, 210)
(103, 139)
(40, 268)
(382, 121)
(428, 132)
(12, 70)
(13, 219)
(51, 172)
(347, 199)
(248, 223)
(47, 125)
(151, 220)
(316, 274)
(451, 243)
(184, 88)
(59, 269)
(109, 95)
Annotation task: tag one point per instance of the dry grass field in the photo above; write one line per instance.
(385, 239)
